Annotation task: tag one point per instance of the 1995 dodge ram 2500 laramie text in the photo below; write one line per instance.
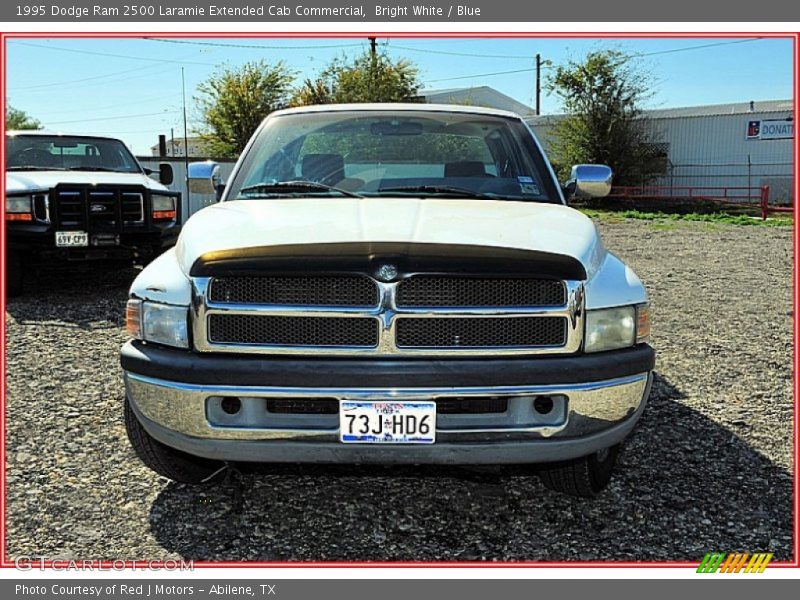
(389, 284)
(78, 197)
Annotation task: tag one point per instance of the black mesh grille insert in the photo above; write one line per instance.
(479, 405)
(320, 291)
(303, 406)
(428, 290)
(471, 406)
(292, 331)
(481, 332)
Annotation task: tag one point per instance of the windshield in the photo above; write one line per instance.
(47, 153)
(394, 153)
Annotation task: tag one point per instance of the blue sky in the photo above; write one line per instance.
(131, 88)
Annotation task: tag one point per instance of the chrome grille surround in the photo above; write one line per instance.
(388, 314)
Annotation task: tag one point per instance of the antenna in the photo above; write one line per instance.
(185, 143)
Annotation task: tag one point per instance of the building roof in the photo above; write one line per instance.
(707, 110)
(481, 95)
(737, 108)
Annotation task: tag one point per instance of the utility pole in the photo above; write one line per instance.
(538, 84)
(373, 64)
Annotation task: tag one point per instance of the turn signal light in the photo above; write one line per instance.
(19, 217)
(642, 324)
(133, 318)
(163, 215)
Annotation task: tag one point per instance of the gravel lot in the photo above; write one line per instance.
(708, 469)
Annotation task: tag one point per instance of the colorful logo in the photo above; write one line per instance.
(720, 562)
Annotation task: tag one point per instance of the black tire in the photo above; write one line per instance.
(172, 464)
(583, 477)
(13, 274)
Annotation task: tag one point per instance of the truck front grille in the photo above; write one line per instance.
(421, 315)
(485, 332)
(101, 209)
(292, 331)
(343, 290)
(432, 290)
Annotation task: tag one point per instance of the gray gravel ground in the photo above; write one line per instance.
(708, 469)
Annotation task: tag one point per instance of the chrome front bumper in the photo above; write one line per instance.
(587, 417)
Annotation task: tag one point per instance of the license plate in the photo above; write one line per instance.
(71, 239)
(368, 422)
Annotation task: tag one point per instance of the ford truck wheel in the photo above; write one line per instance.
(13, 274)
(583, 477)
(166, 461)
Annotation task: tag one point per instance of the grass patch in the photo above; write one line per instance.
(666, 218)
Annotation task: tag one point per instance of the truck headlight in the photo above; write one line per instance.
(19, 208)
(163, 207)
(610, 328)
(160, 323)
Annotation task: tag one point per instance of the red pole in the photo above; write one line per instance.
(764, 202)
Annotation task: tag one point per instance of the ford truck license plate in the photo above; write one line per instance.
(72, 239)
(387, 422)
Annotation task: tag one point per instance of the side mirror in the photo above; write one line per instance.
(589, 180)
(165, 173)
(204, 177)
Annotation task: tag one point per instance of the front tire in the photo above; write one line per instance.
(172, 464)
(583, 477)
(13, 274)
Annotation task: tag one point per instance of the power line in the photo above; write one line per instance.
(484, 75)
(687, 48)
(71, 81)
(251, 46)
(107, 106)
(162, 113)
(108, 54)
(637, 55)
(155, 71)
(449, 53)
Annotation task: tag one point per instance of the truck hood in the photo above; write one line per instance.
(532, 226)
(33, 181)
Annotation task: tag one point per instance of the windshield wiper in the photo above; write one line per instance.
(93, 169)
(34, 168)
(277, 187)
(438, 189)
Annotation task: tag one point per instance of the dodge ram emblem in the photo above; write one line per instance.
(387, 272)
(97, 208)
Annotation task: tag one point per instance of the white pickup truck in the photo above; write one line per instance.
(389, 283)
(80, 197)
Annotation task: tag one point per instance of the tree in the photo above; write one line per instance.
(19, 119)
(602, 97)
(234, 101)
(368, 77)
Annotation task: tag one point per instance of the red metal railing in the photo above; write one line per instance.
(734, 195)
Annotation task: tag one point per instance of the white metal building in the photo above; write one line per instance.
(747, 144)
(482, 95)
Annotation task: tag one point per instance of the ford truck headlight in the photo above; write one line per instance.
(164, 208)
(19, 208)
(160, 323)
(614, 328)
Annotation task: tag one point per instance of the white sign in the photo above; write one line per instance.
(770, 129)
